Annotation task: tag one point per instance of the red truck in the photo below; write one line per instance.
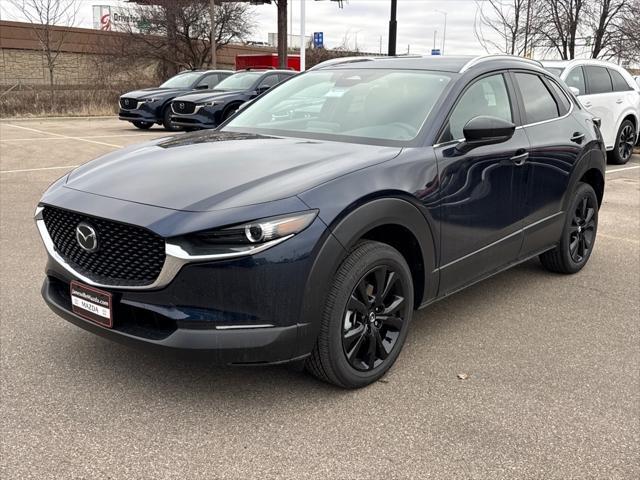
(268, 60)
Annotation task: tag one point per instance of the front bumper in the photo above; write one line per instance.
(266, 345)
(205, 117)
(145, 113)
(246, 310)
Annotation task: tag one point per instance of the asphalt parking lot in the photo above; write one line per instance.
(553, 366)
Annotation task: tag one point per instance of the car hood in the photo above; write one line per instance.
(213, 170)
(155, 92)
(206, 96)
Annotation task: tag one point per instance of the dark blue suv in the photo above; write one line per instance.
(311, 225)
(209, 109)
(148, 106)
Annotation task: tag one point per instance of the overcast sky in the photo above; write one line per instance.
(368, 20)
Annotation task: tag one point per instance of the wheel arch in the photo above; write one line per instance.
(400, 224)
(589, 168)
(380, 219)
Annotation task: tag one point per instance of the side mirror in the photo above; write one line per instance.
(202, 87)
(261, 90)
(575, 91)
(485, 130)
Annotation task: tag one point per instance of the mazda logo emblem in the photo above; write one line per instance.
(86, 237)
(181, 106)
(126, 102)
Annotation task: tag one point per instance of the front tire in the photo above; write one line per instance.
(578, 235)
(166, 121)
(366, 317)
(623, 149)
(142, 125)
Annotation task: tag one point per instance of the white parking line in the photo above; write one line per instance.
(35, 139)
(623, 169)
(38, 169)
(62, 136)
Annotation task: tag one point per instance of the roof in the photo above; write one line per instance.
(454, 64)
(577, 61)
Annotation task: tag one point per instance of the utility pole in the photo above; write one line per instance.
(393, 28)
(444, 33)
(303, 45)
(214, 57)
(435, 33)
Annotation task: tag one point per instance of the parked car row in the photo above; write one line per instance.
(196, 98)
(610, 93)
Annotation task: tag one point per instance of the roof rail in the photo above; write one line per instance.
(474, 61)
(341, 60)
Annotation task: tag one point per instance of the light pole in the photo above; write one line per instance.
(393, 28)
(444, 33)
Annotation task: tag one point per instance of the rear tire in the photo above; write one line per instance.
(578, 236)
(142, 125)
(365, 319)
(623, 148)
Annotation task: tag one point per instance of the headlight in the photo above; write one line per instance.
(243, 239)
(210, 104)
(150, 100)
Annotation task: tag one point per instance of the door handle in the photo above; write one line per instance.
(619, 101)
(577, 137)
(520, 157)
(587, 105)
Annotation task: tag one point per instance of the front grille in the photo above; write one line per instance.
(126, 255)
(128, 103)
(183, 108)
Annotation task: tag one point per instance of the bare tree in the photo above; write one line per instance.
(604, 17)
(179, 33)
(505, 26)
(44, 15)
(625, 38)
(560, 24)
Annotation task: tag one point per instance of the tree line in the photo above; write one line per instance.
(604, 29)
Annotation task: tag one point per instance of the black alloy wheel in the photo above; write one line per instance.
(583, 229)
(373, 318)
(366, 317)
(578, 236)
(623, 149)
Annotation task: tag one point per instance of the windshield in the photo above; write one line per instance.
(380, 105)
(239, 81)
(557, 71)
(182, 80)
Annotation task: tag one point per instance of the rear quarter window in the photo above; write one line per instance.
(565, 103)
(598, 79)
(619, 83)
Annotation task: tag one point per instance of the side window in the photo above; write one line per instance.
(268, 82)
(487, 96)
(539, 104)
(565, 104)
(209, 81)
(619, 83)
(599, 80)
(576, 79)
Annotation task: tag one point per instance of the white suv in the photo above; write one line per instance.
(609, 92)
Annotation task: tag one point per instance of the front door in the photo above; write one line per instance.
(480, 220)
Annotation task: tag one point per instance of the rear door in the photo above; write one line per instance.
(601, 101)
(480, 221)
(557, 140)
